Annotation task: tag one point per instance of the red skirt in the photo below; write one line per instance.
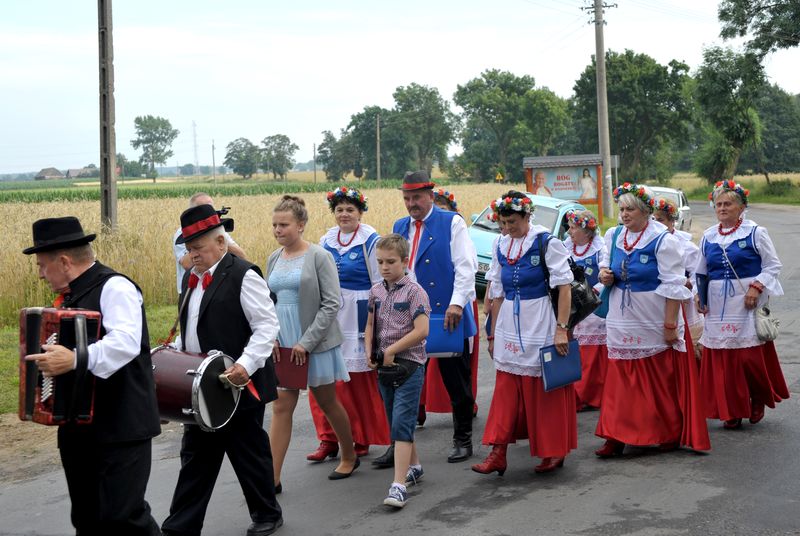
(653, 400)
(521, 409)
(434, 394)
(731, 378)
(594, 364)
(364, 405)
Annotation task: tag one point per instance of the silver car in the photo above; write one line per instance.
(684, 222)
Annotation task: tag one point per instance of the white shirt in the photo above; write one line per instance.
(179, 250)
(463, 255)
(121, 307)
(259, 311)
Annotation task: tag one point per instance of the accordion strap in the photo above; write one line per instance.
(81, 365)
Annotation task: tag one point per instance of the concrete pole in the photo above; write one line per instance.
(602, 105)
(108, 137)
(315, 163)
(378, 144)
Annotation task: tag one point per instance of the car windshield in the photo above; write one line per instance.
(541, 216)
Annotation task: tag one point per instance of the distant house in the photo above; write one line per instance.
(49, 173)
(79, 173)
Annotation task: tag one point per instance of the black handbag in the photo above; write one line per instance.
(395, 376)
(584, 300)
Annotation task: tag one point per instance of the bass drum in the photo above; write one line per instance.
(189, 390)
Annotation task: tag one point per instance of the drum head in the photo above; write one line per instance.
(214, 404)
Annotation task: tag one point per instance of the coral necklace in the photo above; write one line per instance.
(339, 237)
(732, 229)
(625, 238)
(575, 248)
(519, 253)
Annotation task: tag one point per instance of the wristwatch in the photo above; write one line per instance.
(562, 326)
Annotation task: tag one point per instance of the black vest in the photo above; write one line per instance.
(125, 407)
(222, 325)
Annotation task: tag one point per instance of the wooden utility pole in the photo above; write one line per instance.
(108, 137)
(602, 102)
(378, 145)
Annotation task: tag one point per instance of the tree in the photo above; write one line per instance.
(155, 136)
(772, 24)
(276, 155)
(337, 157)
(396, 152)
(243, 157)
(427, 121)
(728, 84)
(129, 168)
(647, 110)
(478, 160)
(779, 113)
(496, 97)
(546, 116)
(187, 169)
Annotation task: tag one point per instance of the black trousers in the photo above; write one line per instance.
(455, 372)
(246, 443)
(106, 484)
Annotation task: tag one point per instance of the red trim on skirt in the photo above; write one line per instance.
(730, 377)
(364, 406)
(434, 394)
(594, 364)
(653, 400)
(521, 409)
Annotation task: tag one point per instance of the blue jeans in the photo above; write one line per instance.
(402, 405)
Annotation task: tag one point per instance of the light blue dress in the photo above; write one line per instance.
(323, 367)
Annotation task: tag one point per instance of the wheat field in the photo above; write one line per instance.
(142, 246)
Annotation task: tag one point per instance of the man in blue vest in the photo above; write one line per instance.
(444, 262)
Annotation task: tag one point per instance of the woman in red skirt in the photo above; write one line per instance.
(651, 392)
(523, 322)
(351, 243)
(739, 373)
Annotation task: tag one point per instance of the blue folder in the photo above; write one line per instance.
(441, 342)
(363, 312)
(560, 370)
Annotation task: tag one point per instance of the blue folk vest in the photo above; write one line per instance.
(352, 265)
(525, 278)
(742, 254)
(590, 268)
(638, 271)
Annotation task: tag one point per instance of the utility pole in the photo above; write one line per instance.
(108, 137)
(378, 145)
(194, 138)
(602, 101)
(315, 163)
(213, 162)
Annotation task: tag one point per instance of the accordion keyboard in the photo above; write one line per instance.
(47, 382)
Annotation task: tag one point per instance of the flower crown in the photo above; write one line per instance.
(349, 194)
(450, 198)
(730, 186)
(585, 222)
(669, 208)
(636, 191)
(516, 204)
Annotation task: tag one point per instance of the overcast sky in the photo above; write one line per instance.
(253, 68)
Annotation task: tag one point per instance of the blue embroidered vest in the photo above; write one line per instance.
(590, 268)
(352, 265)
(526, 277)
(742, 254)
(638, 271)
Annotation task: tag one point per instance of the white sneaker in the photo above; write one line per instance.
(397, 497)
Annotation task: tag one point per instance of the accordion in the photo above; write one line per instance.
(67, 397)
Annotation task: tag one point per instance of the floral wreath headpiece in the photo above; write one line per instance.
(585, 222)
(450, 198)
(350, 194)
(637, 191)
(523, 205)
(730, 186)
(670, 208)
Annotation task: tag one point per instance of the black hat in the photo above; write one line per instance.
(199, 220)
(57, 233)
(417, 180)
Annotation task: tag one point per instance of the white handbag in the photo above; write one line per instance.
(766, 323)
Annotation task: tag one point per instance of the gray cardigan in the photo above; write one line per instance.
(320, 299)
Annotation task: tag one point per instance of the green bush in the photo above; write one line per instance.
(780, 188)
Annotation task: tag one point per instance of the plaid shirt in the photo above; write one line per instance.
(397, 308)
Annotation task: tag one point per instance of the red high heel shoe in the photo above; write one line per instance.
(326, 449)
(756, 412)
(611, 448)
(549, 465)
(495, 461)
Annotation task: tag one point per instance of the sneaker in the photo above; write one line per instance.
(397, 497)
(414, 475)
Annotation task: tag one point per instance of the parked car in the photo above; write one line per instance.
(549, 212)
(684, 222)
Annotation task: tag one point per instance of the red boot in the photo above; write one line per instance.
(756, 412)
(732, 424)
(549, 465)
(495, 461)
(612, 447)
(326, 449)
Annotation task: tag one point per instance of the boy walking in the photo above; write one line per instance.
(395, 340)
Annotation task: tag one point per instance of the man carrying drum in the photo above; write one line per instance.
(107, 462)
(227, 309)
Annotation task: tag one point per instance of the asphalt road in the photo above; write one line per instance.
(748, 483)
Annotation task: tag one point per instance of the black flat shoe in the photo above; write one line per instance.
(385, 460)
(264, 529)
(279, 488)
(336, 475)
(459, 453)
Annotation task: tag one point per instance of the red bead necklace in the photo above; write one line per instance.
(575, 248)
(625, 238)
(339, 237)
(733, 229)
(519, 253)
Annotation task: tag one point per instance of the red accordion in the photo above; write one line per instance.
(58, 399)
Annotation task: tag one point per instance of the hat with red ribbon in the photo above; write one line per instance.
(417, 180)
(199, 220)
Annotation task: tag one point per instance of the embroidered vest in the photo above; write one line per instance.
(352, 265)
(742, 254)
(526, 277)
(638, 270)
